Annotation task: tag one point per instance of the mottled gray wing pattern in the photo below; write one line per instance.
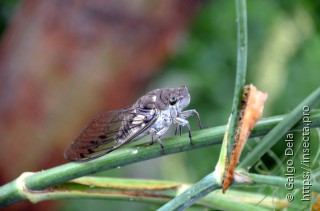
(110, 131)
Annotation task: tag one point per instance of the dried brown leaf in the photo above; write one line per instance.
(252, 108)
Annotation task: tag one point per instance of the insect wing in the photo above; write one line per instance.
(108, 132)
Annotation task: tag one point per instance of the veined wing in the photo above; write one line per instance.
(110, 131)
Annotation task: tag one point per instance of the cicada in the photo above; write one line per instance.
(151, 114)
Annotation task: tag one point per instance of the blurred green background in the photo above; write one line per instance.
(283, 60)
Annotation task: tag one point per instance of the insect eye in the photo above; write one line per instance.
(172, 100)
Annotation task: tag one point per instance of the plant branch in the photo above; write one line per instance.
(280, 181)
(242, 49)
(9, 193)
(149, 191)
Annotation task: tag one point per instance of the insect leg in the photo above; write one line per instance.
(183, 122)
(151, 138)
(156, 134)
(192, 112)
(178, 127)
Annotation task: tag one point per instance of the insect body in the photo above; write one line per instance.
(153, 113)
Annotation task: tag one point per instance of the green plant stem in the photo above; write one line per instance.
(150, 191)
(242, 48)
(201, 187)
(259, 201)
(192, 194)
(9, 193)
(280, 181)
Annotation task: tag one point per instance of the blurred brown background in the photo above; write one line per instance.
(63, 62)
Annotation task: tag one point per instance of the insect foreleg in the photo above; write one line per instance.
(192, 112)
